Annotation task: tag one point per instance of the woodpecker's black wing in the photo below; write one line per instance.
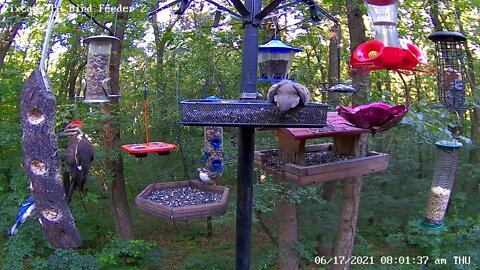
(79, 155)
(85, 155)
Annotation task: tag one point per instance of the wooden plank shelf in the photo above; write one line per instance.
(303, 175)
(186, 212)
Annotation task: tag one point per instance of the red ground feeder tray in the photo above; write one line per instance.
(142, 149)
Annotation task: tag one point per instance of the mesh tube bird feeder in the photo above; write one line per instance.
(442, 184)
(450, 68)
(98, 69)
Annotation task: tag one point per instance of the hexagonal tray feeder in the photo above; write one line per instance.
(176, 201)
(259, 113)
(322, 165)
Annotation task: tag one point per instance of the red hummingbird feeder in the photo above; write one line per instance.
(142, 149)
(386, 51)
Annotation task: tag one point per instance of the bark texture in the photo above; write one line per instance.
(121, 211)
(40, 160)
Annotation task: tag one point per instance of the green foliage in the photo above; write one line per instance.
(391, 204)
(130, 254)
(68, 259)
(201, 261)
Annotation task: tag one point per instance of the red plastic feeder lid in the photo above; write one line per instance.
(142, 149)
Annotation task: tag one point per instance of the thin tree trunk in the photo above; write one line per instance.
(475, 117)
(353, 145)
(356, 29)
(330, 188)
(160, 45)
(10, 31)
(434, 15)
(351, 191)
(287, 235)
(121, 211)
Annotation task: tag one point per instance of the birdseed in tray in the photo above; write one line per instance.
(311, 159)
(183, 196)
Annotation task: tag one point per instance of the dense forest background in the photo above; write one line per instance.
(174, 56)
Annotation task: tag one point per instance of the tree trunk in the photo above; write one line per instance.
(287, 235)
(434, 15)
(351, 189)
(353, 145)
(9, 32)
(356, 28)
(330, 188)
(160, 44)
(121, 211)
(290, 151)
(40, 160)
(475, 117)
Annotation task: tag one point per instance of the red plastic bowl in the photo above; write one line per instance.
(375, 116)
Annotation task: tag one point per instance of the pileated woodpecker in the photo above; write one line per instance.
(78, 157)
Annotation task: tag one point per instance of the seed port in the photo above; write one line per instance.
(35, 116)
(38, 167)
(51, 214)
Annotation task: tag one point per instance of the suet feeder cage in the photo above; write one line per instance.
(450, 68)
(275, 60)
(442, 184)
(98, 69)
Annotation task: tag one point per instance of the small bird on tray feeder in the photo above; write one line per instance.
(26, 210)
(288, 94)
(78, 157)
(207, 177)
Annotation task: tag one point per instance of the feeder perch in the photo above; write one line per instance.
(187, 207)
(341, 87)
(275, 60)
(98, 69)
(450, 68)
(443, 178)
(213, 138)
(142, 149)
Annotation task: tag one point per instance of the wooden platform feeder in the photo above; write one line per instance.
(292, 154)
(303, 175)
(186, 212)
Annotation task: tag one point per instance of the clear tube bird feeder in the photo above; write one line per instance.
(98, 68)
(384, 15)
(450, 68)
(443, 179)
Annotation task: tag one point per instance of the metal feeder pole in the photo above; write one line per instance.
(246, 139)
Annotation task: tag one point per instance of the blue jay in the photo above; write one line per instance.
(28, 207)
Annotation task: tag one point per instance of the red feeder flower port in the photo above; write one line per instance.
(386, 51)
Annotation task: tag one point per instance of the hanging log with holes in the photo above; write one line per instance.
(40, 160)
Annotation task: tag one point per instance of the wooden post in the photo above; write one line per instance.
(40, 160)
(293, 151)
(357, 146)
